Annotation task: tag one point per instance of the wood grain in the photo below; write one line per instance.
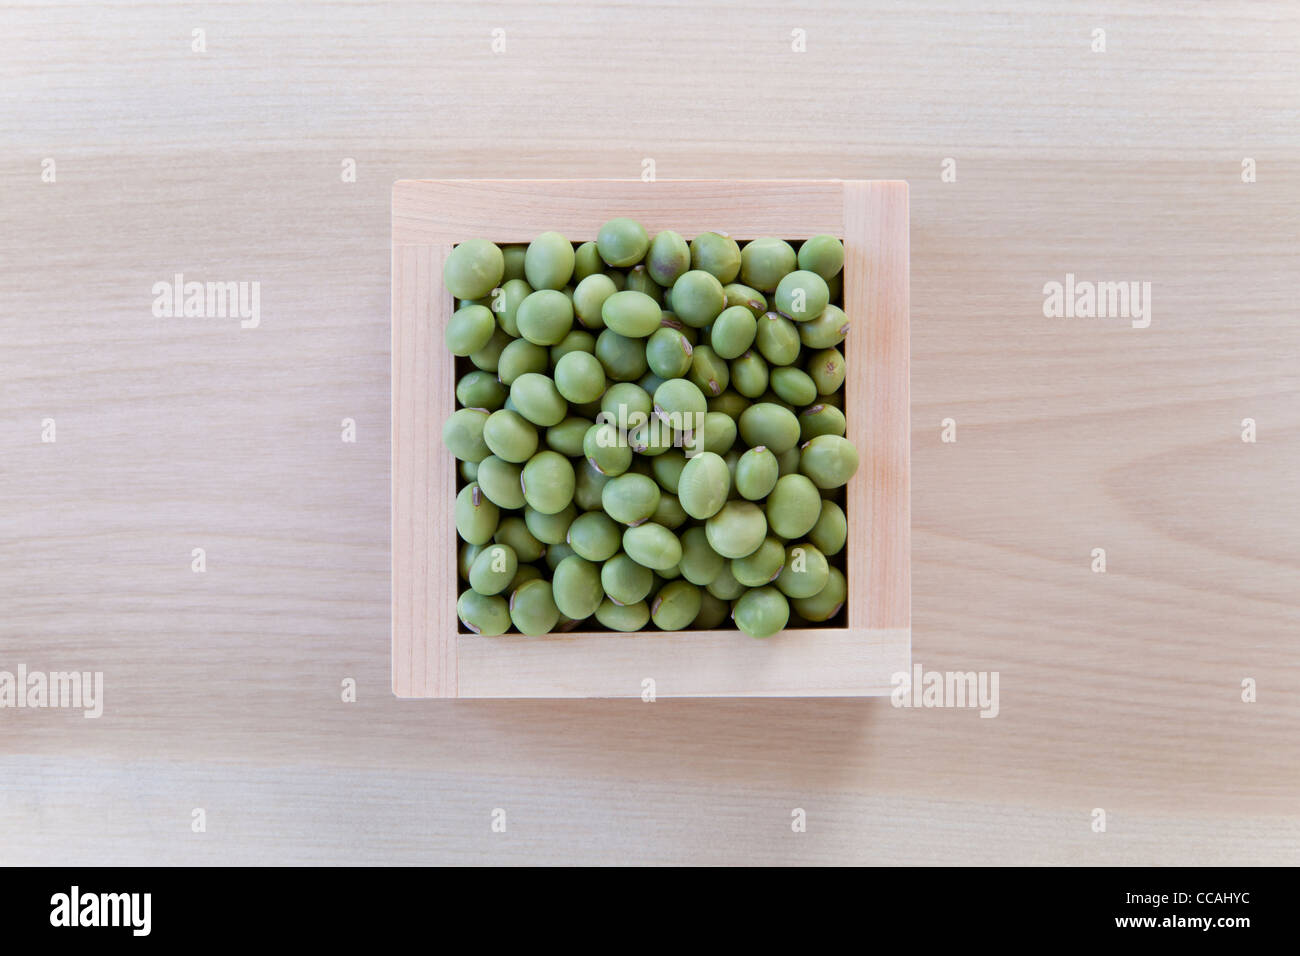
(424, 479)
(450, 210)
(877, 252)
(816, 662)
(1119, 690)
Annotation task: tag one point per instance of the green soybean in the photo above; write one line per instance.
(624, 580)
(709, 371)
(513, 256)
(630, 498)
(493, 569)
(594, 535)
(567, 436)
(716, 254)
(675, 606)
(718, 434)
(826, 603)
(622, 242)
(462, 433)
(762, 566)
(548, 481)
(793, 507)
(802, 295)
(729, 403)
(624, 400)
(827, 370)
(777, 339)
(737, 529)
(537, 399)
(652, 437)
(488, 358)
(668, 353)
(826, 330)
(506, 305)
(465, 556)
(763, 263)
(473, 269)
(631, 314)
(550, 528)
(476, 516)
(519, 358)
(831, 531)
(545, 317)
(750, 374)
(623, 358)
(713, 611)
(700, 564)
(756, 473)
(510, 436)
(576, 587)
(499, 480)
(667, 469)
(703, 486)
(549, 261)
(725, 585)
(588, 487)
(680, 403)
(765, 423)
(697, 298)
(485, 615)
(513, 530)
(805, 571)
(623, 617)
(761, 612)
(794, 385)
(579, 377)
(668, 258)
(606, 449)
(820, 419)
(639, 280)
(587, 262)
(652, 545)
(469, 329)
(589, 299)
(481, 389)
(739, 294)
(829, 460)
(823, 255)
(733, 331)
(532, 608)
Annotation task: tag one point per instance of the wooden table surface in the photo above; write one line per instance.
(1119, 690)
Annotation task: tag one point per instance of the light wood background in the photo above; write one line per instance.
(1118, 690)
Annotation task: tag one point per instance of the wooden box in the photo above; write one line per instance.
(432, 659)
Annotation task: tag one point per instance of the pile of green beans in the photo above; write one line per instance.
(649, 431)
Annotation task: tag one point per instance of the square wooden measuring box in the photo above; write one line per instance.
(431, 658)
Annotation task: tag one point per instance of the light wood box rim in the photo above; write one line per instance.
(432, 659)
